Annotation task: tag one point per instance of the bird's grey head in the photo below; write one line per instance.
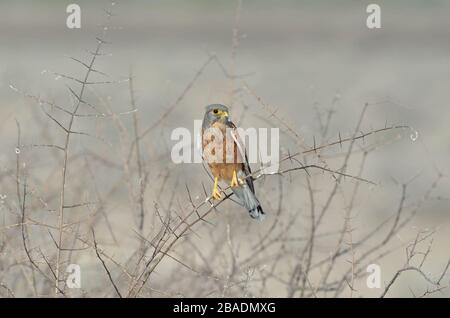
(214, 113)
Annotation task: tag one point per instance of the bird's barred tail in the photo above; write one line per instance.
(257, 213)
(250, 202)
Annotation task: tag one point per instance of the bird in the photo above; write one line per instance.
(230, 163)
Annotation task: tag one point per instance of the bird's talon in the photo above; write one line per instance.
(234, 180)
(216, 193)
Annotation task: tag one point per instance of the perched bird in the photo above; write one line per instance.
(226, 157)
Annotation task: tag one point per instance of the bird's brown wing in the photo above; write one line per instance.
(243, 153)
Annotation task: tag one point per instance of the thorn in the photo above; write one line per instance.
(102, 41)
(108, 13)
(314, 140)
(289, 156)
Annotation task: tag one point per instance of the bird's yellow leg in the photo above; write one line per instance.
(216, 193)
(234, 180)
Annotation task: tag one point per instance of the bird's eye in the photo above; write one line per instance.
(215, 111)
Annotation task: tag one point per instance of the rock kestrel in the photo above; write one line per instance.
(227, 159)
